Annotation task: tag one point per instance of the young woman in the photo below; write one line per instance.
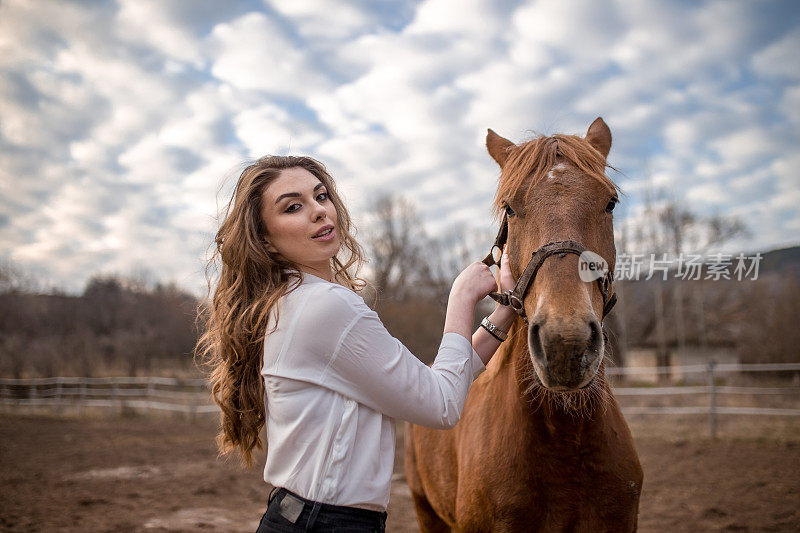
(294, 348)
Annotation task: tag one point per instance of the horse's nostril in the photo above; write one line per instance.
(595, 339)
(535, 340)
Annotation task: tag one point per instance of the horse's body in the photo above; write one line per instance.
(525, 456)
(508, 467)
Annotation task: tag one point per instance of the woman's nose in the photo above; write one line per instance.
(319, 212)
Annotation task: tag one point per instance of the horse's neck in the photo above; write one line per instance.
(545, 414)
(506, 355)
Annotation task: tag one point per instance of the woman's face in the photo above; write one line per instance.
(301, 220)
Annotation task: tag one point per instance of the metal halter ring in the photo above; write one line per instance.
(499, 255)
(515, 303)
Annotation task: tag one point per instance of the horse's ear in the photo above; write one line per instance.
(599, 136)
(498, 147)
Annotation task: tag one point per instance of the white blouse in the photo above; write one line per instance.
(334, 382)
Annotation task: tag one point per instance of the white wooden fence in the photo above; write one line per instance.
(712, 370)
(191, 396)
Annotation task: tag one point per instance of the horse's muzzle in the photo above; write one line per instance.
(566, 353)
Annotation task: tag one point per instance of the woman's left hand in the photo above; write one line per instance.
(504, 314)
(507, 281)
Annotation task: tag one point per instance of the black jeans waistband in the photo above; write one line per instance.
(316, 512)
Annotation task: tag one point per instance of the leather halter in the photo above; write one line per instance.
(515, 296)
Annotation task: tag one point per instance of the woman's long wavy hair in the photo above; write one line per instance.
(251, 281)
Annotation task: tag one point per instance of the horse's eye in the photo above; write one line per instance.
(509, 211)
(611, 204)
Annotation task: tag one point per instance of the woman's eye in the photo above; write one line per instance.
(611, 204)
(292, 208)
(509, 211)
(322, 197)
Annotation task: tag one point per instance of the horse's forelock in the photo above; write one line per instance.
(529, 163)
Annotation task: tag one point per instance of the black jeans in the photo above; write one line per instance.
(283, 506)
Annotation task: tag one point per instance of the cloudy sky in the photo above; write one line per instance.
(123, 123)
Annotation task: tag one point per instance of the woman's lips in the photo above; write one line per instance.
(327, 237)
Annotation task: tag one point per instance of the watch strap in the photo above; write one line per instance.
(493, 330)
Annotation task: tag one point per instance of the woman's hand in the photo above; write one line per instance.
(469, 288)
(476, 281)
(503, 315)
(507, 281)
(473, 284)
(485, 344)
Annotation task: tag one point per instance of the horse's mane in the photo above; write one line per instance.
(529, 163)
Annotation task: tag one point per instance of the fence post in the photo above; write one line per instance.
(32, 392)
(151, 386)
(115, 395)
(59, 385)
(712, 390)
(82, 398)
(6, 392)
(193, 412)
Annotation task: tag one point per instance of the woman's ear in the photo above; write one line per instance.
(271, 249)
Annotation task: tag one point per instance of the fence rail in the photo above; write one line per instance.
(192, 396)
(717, 367)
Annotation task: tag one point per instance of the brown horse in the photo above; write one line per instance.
(541, 444)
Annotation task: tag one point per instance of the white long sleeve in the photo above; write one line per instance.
(334, 381)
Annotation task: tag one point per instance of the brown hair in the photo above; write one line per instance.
(251, 281)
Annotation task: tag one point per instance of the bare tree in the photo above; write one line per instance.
(14, 279)
(396, 241)
(413, 272)
(116, 325)
(666, 230)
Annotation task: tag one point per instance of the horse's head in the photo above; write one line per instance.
(555, 189)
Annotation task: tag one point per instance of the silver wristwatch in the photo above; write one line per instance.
(493, 330)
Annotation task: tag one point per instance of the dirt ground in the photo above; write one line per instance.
(161, 474)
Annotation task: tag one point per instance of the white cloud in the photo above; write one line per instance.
(124, 125)
(254, 52)
(163, 32)
(784, 171)
(545, 32)
(779, 60)
(744, 147)
(790, 104)
(706, 194)
(136, 98)
(268, 129)
(339, 19)
(477, 19)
